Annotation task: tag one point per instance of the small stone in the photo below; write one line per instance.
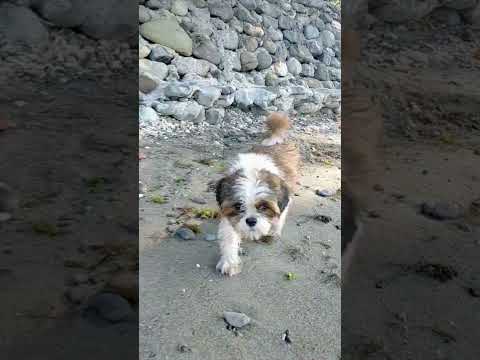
(286, 22)
(204, 48)
(255, 31)
(220, 9)
(250, 43)
(280, 68)
(110, 307)
(325, 192)
(270, 46)
(178, 91)
(237, 320)
(308, 70)
(198, 200)
(162, 54)
(184, 348)
(248, 60)
(443, 210)
(185, 233)
(311, 32)
(328, 38)
(179, 7)
(264, 59)
(294, 66)
(207, 96)
(210, 237)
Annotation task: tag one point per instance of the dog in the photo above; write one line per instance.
(256, 192)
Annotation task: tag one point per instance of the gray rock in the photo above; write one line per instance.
(402, 11)
(225, 100)
(293, 36)
(273, 34)
(441, 210)
(221, 9)
(147, 116)
(207, 96)
(328, 38)
(243, 14)
(301, 53)
(247, 97)
(185, 233)
(264, 59)
(294, 66)
(162, 54)
(271, 79)
(269, 9)
(21, 26)
(335, 74)
(155, 70)
(270, 46)
(270, 22)
(280, 68)
(317, 4)
(253, 30)
(325, 192)
(198, 26)
(215, 116)
(167, 32)
(249, 4)
(200, 3)
(315, 47)
(179, 7)
(311, 32)
(210, 237)
(108, 20)
(172, 73)
(146, 84)
(219, 24)
(336, 63)
(183, 111)
(65, 13)
(248, 60)
(451, 17)
(250, 43)
(460, 4)
(187, 65)
(110, 307)
(319, 24)
(308, 70)
(230, 39)
(282, 53)
(143, 48)
(322, 73)
(259, 79)
(204, 48)
(236, 25)
(231, 61)
(286, 22)
(307, 108)
(177, 90)
(237, 320)
(326, 59)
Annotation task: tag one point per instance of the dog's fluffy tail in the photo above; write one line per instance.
(277, 125)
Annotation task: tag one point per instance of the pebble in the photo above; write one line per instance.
(237, 320)
(198, 200)
(185, 233)
(325, 192)
(442, 210)
(110, 307)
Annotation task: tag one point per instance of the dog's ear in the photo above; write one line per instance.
(222, 190)
(283, 196)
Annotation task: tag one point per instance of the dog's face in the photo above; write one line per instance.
(252, 204)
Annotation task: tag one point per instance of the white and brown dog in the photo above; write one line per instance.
(255, 193)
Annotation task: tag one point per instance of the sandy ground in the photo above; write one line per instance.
(182, 298)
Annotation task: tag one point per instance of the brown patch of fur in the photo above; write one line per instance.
(268, 207)
(286, 157)
(277, 124)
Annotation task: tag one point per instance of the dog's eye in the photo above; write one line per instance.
(262, 207)
(238, 206)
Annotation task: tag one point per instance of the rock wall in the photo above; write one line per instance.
(201, 57)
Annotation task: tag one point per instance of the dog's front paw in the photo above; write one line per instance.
(229, 267)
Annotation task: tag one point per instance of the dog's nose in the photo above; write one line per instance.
(251, 221)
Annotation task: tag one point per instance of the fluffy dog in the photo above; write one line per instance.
(256, 192)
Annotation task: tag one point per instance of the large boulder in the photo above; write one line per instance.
(167, 32)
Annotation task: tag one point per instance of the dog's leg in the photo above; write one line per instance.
(229, 263)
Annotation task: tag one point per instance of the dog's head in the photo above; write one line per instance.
(252, 204)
